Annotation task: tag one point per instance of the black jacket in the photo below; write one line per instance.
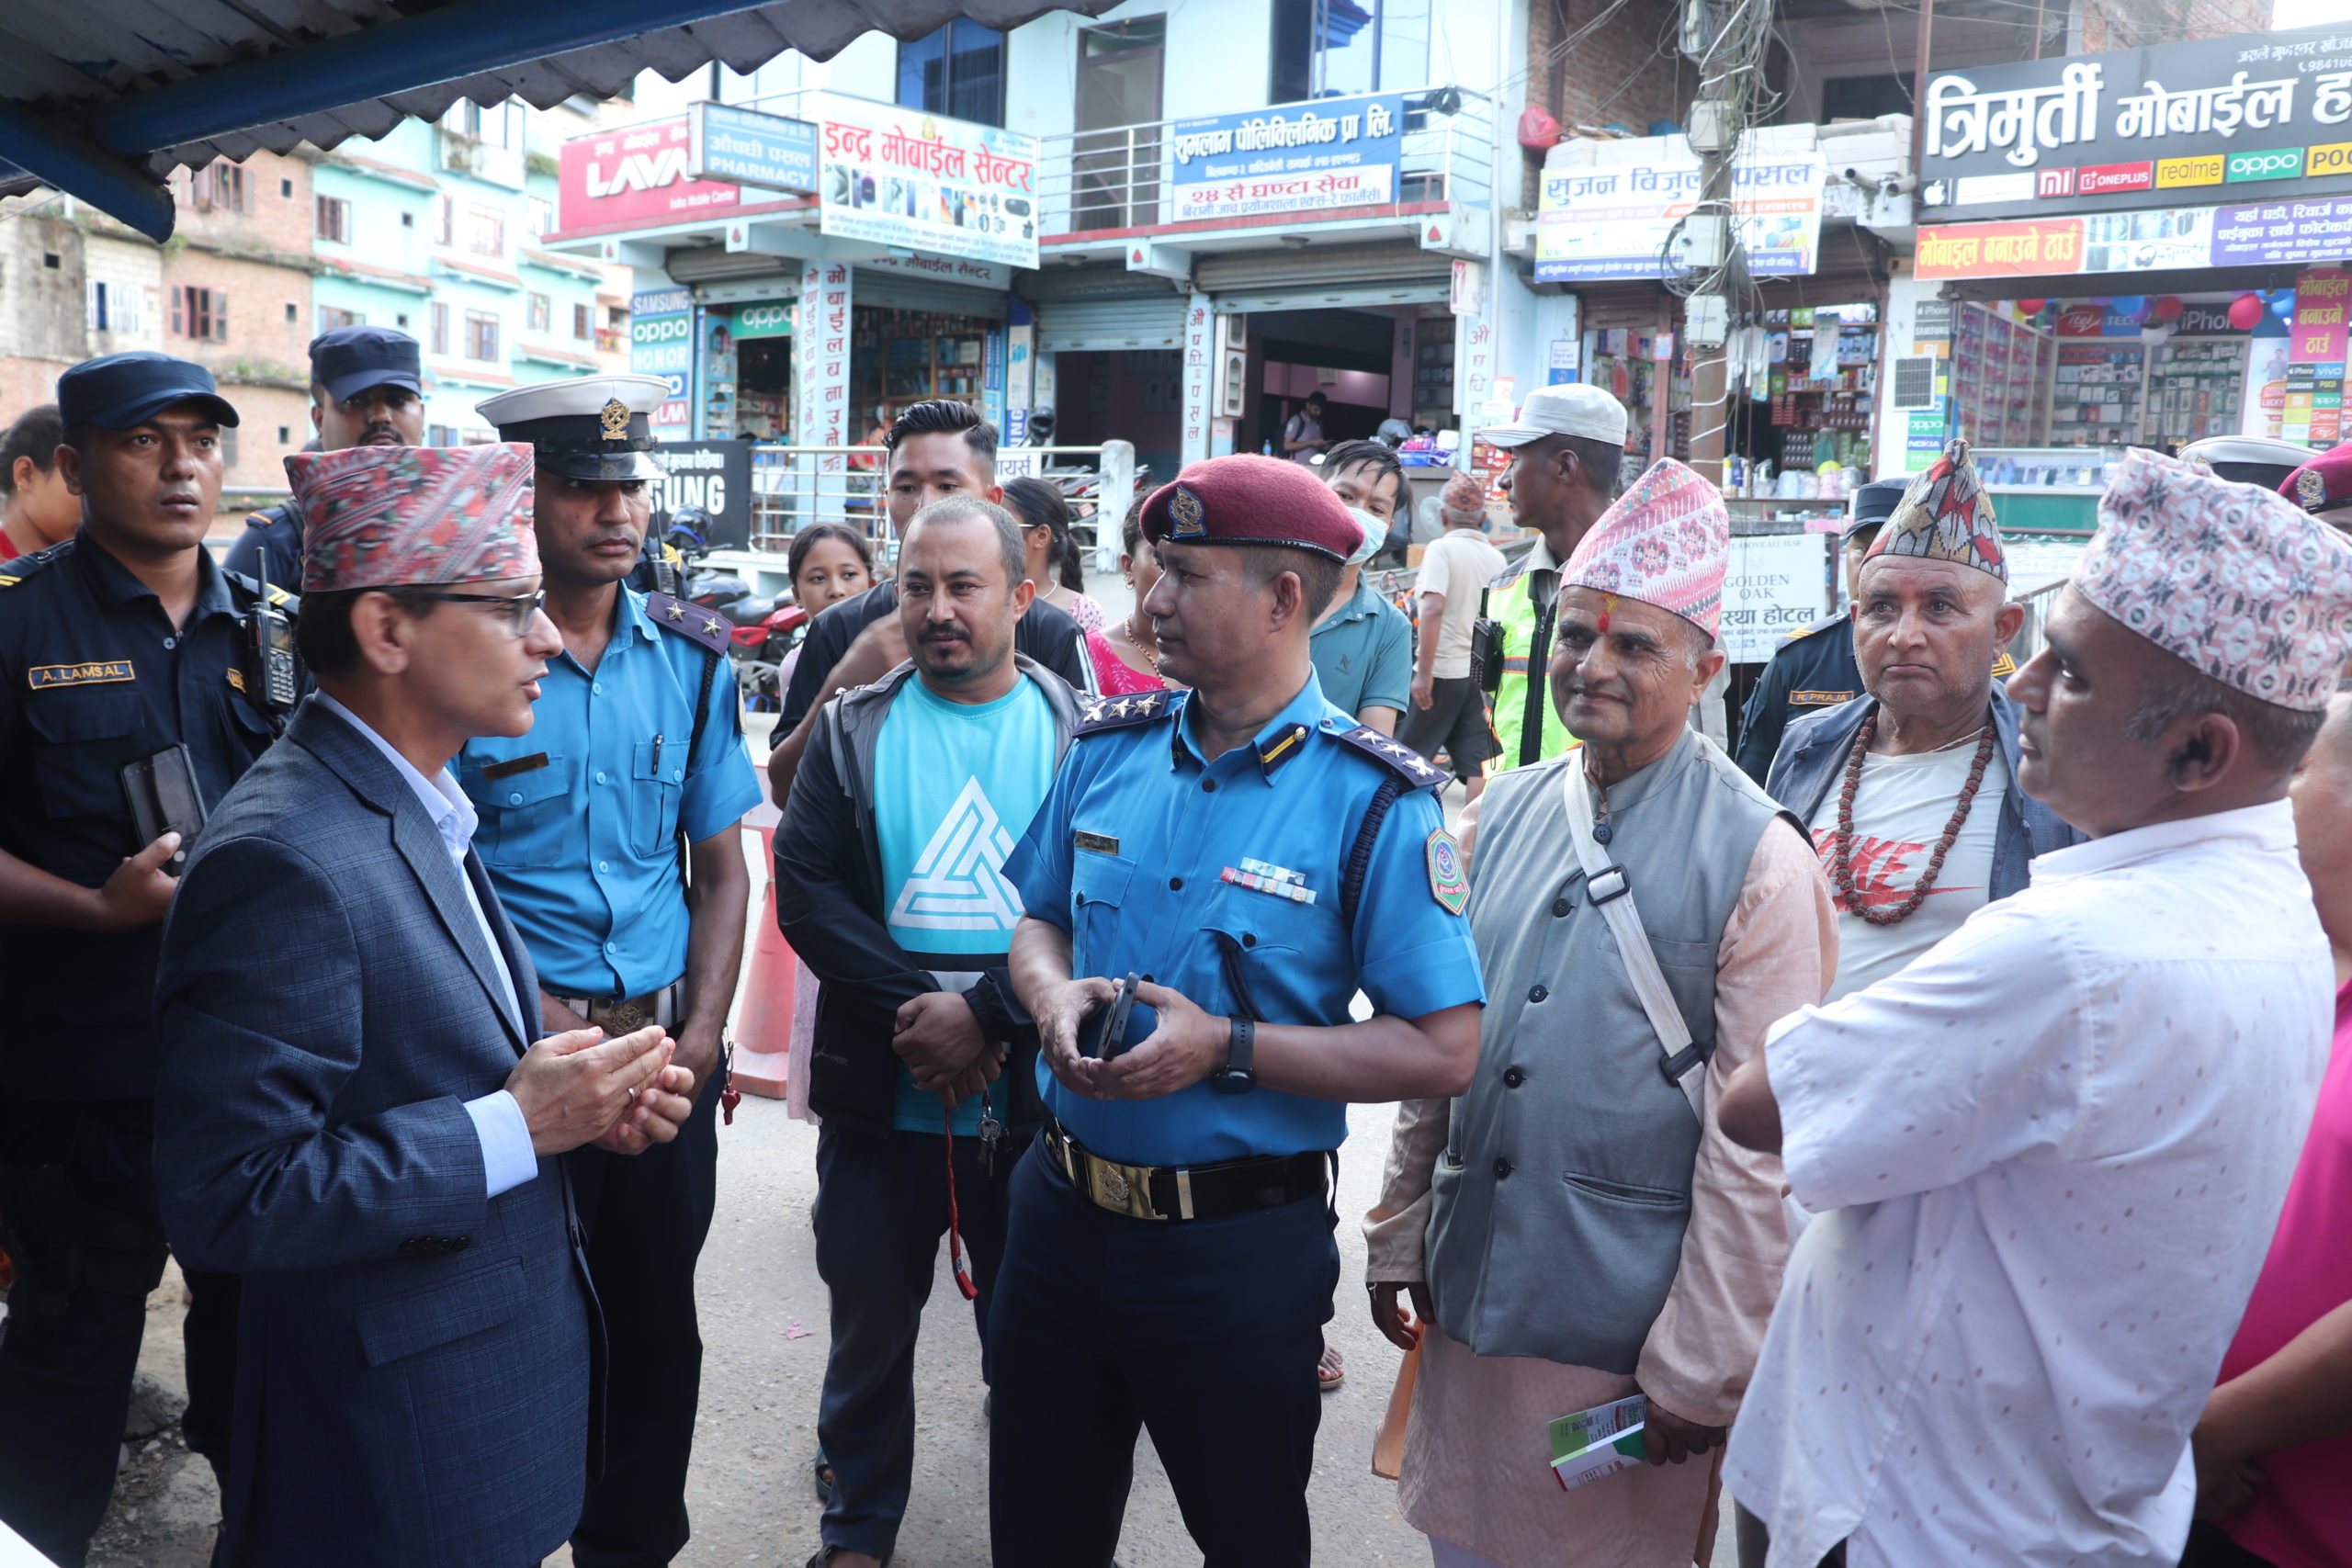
(831, 904)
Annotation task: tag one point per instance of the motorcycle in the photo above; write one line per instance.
(761, 629)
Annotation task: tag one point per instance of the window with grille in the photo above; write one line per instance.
(540, 309)
(485, 230)
(116, 307)
(334, 220)
(200, 313)
(481, 335)
(444, 220)
(583, 322)
(330, 318)
(439, 332)
(542, 217)
(220, 187)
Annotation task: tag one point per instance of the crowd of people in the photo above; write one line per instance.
(1929, 1127)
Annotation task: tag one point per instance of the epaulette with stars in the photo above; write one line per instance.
(1416, 771)
(696, 624)
(1096, 715)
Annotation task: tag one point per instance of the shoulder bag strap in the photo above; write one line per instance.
(1611, 893)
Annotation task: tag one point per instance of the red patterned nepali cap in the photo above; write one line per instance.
(1250, 499)
(406, 516)
(1945, 515)
(1665, 542)
(2230, 578)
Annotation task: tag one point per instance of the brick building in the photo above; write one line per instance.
(1615, 75)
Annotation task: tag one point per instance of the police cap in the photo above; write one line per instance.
(349, 360)
(1248, 499)
(591, 427)
(2323, 485)
(118, 391)
(1873, 505)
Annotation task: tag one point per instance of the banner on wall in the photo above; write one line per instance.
(922, 182)
(821, 360)
(2275, 234)
(1311, 157)
(1776, 583)
(1614, 221)
(636, 176)
(713, 475)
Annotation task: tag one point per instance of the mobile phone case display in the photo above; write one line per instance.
(1619, 359)
(2195, 388)
(1433, 381)
(898, 357)
(1821, 418)
(2000, 369)
(2095, 399)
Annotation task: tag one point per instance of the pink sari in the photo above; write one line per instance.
(1114, 674)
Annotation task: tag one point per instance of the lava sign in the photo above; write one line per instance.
(634, 175)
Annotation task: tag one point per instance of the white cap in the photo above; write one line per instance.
(575, 397)
(1573, 408)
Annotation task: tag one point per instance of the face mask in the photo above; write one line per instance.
(1376, 534)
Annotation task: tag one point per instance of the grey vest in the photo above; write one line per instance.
(1558, 1206)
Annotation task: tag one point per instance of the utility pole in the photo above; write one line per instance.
(1708, 238)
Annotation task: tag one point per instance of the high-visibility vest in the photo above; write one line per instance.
(1526, 682)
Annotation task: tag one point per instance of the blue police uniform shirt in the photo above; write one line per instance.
(580, 813)
(955, 783)
(1129, 854)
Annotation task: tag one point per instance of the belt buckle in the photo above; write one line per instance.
(1123, 1189)
(623, 1017)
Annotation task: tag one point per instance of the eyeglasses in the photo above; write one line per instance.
(518, 610)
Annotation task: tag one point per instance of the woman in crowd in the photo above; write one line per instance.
(39, 511)
(1127, 656)
(1054, 564)
(2274, 1449)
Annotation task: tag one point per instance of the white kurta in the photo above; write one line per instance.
(2047, 1158)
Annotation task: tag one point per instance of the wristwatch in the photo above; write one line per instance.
(1240, 1074)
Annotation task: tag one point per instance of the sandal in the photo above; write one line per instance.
(822, 1474)
(1331, 1371)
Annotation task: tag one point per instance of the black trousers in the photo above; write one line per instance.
(1206, 1332)
(1755, 1542)
(2211, 1546)
(646, 1217)
(881, 1209)
(88, 1248)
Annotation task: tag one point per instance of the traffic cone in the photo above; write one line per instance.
(764, 1026)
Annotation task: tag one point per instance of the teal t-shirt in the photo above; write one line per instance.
(955, 787)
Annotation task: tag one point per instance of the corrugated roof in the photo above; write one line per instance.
(167, 83)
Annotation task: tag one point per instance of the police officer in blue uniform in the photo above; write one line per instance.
(1814, 669)
(121, 646)
(1255, 857)
(366, 390)
(633, 772)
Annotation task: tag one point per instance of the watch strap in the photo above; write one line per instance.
(1240, 1074)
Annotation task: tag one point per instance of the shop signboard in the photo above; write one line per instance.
(635, 177)
(1313, 157)
(2317, 333)
(821, 360)
(2141, 127)
(1777, 583)
(1614, 220)
(750, 149)
(713, 475)
(2270, 233)
(922, 182)
(662, 343)
(764, 318)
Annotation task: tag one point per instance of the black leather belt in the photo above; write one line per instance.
(1187, 1192)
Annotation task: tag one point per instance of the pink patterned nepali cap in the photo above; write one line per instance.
(1665, 542)
(406, 516)
(2231, 578)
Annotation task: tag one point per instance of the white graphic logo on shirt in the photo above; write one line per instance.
(957, 884)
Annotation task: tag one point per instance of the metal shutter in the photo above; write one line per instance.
(890, 291)
(1314, 277)
(1155, 320)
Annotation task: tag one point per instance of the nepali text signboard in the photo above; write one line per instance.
(2143, 127)
(1612, 220)
(2292, 232)
(713, 475)
(922, 182)
(1777, 583)
(751, 149)
(1313, 157)
(635, 177)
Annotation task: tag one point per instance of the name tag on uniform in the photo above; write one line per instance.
(1820, 699)
(1100, 843)
(45, 675)
(513, 765)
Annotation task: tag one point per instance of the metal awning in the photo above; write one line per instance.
(104, 98)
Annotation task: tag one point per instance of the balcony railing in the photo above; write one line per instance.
(1090, 181)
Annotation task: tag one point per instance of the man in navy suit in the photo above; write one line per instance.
(353, 1113)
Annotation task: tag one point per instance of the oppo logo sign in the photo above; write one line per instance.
(2280, 163)
(763, 319)
(660, 329)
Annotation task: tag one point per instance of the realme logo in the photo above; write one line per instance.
(43, 675)
(2204, 170)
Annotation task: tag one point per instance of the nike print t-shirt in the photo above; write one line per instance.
(954, 786)
(1900, 812)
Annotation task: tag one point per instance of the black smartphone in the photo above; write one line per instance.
(164, 799)
(1121, 1024)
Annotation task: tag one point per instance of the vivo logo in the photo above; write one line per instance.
(639, 171)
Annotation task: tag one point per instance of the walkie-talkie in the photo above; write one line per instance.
(269, 652)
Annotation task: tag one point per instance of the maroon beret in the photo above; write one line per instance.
(2323, 484)
(1251, 500)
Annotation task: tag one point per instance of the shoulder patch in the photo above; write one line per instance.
(1416, 771)
(1096, 715)
(706, 628)
(289, 603)
(1448, 884)
(2004, 666)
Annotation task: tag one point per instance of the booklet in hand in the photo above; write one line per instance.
(1599, 1441)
